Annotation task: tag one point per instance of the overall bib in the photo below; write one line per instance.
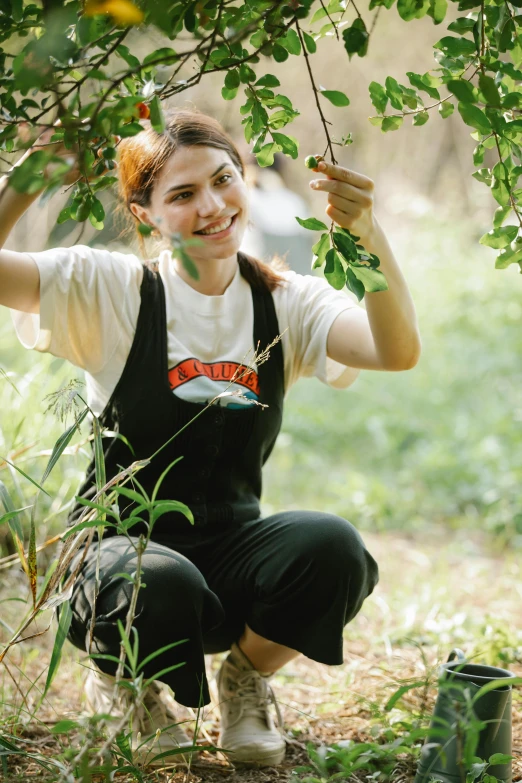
(296, 578)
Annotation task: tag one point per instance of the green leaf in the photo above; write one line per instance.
(59, 640)
(437, 10)
(499, 238)
(353, 284)
(463, 90)
(229, 94)
(312, 224)
(461, 25)
(265, 156)
(474, 117)
(188, 264)
(345, 245)
(35, 483)
(336, 97)
(267, 81)
(232, 79)
(378, 97)
(279, 53)
(489, 90)
(309, 43)
(356, 39)
(423, 83)
(391, 123)
(412, 9)
(291, 42)
(319, 250)
(456, 47)
(14, 523)
(64, 726)
(446, 109)
(500, 215)
(334, 270)
(500, 192)
(162, 55)
(318, 15)
(372, 279)
(61, 444)
(500, 758)
(288, 144)
(399, 693)
(508, 257)
(421, 118)
(394, 93)
(157, 119)
(246, 74)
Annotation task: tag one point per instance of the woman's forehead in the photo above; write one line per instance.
(197, 160)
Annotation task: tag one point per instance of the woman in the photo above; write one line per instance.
(157, 346)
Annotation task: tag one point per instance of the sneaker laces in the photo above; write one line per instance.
(154, 713)
(256, 695)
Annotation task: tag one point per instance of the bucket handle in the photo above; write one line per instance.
(456, 654)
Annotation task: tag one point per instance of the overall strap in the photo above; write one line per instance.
(266, 330)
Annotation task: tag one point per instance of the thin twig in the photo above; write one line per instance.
(316, 94)
(325, 9)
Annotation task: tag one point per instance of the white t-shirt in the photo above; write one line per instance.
(89, 304)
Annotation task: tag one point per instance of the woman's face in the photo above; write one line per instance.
(200, 194)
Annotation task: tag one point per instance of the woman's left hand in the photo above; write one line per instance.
(350, 199)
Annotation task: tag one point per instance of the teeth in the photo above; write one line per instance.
(216, 229)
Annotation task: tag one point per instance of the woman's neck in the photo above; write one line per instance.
(214, 276)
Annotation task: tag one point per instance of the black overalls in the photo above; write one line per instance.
(295, 578)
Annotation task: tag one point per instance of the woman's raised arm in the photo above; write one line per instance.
(19, 275)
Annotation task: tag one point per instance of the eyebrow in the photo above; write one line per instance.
(182, 187)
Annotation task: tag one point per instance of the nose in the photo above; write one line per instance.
(210, 203)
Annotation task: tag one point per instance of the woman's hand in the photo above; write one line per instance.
(57, 148)
(350, 199)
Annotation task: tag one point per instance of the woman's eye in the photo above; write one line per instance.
(225, 177)
(185, 193)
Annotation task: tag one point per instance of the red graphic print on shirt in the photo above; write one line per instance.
(189, 369)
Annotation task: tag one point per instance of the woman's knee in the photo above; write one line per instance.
(171, 586)
(333, 547)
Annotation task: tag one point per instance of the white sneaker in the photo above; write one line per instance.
(248, 734)
(157, 711)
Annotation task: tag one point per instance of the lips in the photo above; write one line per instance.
(224, 222)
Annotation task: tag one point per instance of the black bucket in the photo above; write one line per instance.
(459, 682)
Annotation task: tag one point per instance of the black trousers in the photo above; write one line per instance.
(295, 578)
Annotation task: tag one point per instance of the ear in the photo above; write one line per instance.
(141, 213)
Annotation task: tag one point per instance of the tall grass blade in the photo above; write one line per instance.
(99, 457)
(24, 474)
(61, 635)
(12, 514)
(159, 482)
(8, 504)
(31, 558)
(5, 376)
(61, 444)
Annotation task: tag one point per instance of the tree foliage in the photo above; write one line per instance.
(71, 62)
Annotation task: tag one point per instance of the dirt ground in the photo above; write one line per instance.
(433, 596)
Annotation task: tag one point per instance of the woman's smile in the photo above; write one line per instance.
(219, 229)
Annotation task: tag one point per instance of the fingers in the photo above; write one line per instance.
(345, 175)
(344, 190)
(350, 208)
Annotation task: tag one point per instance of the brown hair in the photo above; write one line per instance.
(141, 158)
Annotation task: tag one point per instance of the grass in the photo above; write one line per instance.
(425, 462)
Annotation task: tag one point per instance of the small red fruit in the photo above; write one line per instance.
(143, 111)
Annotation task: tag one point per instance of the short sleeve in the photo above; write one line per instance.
(89, 300)
(306, 308)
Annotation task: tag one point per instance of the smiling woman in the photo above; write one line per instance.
(212, 204)
(162, 350)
